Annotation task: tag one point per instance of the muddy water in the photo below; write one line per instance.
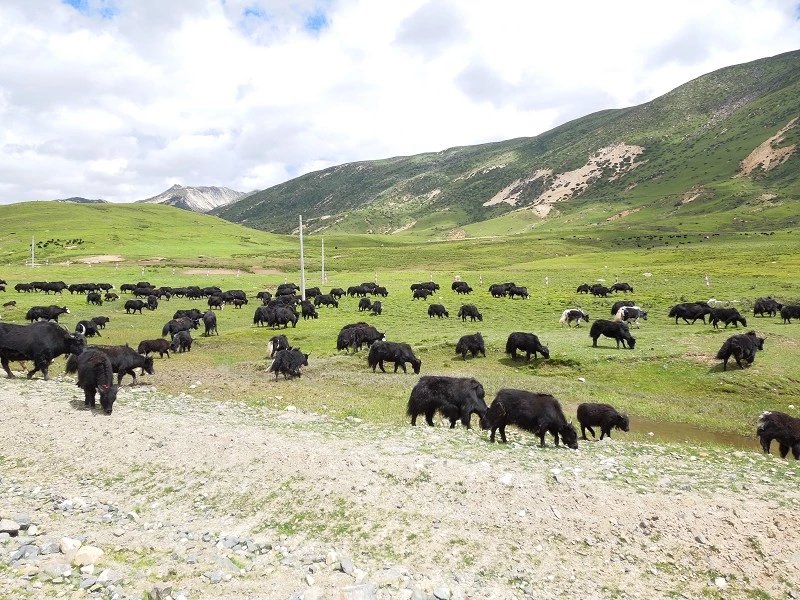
(681, 432)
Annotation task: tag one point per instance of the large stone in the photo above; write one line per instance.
(8, 526)
(346, 565)
(161, 592)
(109, 577)
(56, 570)
(69, 546)
(365, 591)
(87, 555)
(441, 593)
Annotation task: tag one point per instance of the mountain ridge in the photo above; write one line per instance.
(195, 198)
(607, 163)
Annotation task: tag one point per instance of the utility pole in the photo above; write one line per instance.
(302, 264)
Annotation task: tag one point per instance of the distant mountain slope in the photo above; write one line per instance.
(79, 200)
(724, 143)
(198, 199)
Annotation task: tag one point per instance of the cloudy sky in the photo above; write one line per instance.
(120, 99)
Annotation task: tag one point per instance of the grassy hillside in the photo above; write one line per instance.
(132, 232)
(693, 140)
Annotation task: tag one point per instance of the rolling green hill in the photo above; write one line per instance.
(99, 233)
(675, 161)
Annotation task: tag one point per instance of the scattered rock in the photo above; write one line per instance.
(10, 527)
(87, 555)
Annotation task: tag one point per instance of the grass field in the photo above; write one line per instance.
(671, 377)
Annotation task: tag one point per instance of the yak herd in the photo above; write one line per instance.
(457, 399)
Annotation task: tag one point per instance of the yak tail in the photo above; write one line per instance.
(72, 364)
(165, 330)
(725, 351)
(510, 346)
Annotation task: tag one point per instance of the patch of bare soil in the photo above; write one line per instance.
(203, 271)
(456, 234)
(768, 155)
(266, 271)
(623, 214)
(101, 258)
(223, 500)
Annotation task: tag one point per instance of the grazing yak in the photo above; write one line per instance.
(87, 328)
(181, 341)
(630, 314)
(101, 321)
(195, 314)
(111, 297)
(537, 413)
(437, 310)
(790, 312)
(690, 310)
(94, 298)
(600, 291)
(381, 291)
(364, 304)
(175, 325)
(621, 287)
(46, 313)
(766, 305)
(131, 306)
(573, 314)
(152, 302)
(39, 342)
(354, 335)
(457, 398)
(288, 362)
(421, 293)
(123, 361)
(619, 304)
(276, 344)
(216, 301)
(461, 287)
(95, 374)
(264, 296)
(727, 316)
(583, 288)
(210, 323)
(616, 330)
(774, 425)
(397, 352)
(336, 293)
(603, 416)
(377, 308)
(520, 291)
(326, 300)
(471, 311)
(472, 344)
(308, 310)
(147, 346)
(742, 347)
(527, 343)
(499, 290)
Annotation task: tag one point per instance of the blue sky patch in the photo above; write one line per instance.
(316, 22)
(102, 8)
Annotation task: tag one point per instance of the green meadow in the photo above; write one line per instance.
(671, 377)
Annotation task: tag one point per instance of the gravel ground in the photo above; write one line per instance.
(181, 497)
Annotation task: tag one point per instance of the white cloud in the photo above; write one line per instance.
(120, 99)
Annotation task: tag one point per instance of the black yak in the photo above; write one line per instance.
(210, 323)
(472, 344)
(614, 329)
(181, 342)
(276, 344)
(790, 312)
(437, 310)
(288, 362)
(690, 310)
(727, 316)
(457, 398)
(147, 346)
(603, 416)
(398, 353)
(471, 311)
(779, 426)
(95, 374)
(742, 347)
(39, 342)
(767, 305)
(537, 413)
(527, 343)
